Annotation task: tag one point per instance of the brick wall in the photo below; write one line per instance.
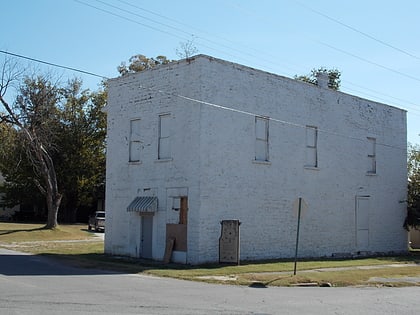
(213, 152)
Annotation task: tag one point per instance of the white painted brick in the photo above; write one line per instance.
(213, 152)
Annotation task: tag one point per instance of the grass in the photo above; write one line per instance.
(77, 245)
(22, 232)
(71, 240)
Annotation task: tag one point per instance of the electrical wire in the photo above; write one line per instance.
(177, 29)
(357, 30)
(371, 62)
(52, 64)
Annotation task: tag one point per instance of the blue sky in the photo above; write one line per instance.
(373, 43)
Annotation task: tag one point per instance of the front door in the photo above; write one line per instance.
(146, 236)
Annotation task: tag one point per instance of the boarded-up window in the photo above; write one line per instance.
(371, 156)
(183, 210)
(135, 143)
(164, 149)
(261, 139)
(311, 146)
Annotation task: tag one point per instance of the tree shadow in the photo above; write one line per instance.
(22, 230)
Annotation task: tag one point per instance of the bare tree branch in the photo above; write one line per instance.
(31, 114)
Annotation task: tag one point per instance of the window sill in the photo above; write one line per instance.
(312, 168)
(371, 174)
(134, 162)
(261, 162)
(163, 160)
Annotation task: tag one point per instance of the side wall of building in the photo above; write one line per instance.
(350, 209)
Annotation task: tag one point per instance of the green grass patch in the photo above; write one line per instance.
(72, 239)
(20, 232)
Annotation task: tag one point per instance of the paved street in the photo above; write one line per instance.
(37, 285)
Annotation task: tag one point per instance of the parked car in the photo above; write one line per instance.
(97, 221)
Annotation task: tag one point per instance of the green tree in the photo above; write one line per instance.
(81, 154)
(34, 115)
(139, 63)
(53, 142)
(334, 81)
(19, 186)
(413, 198)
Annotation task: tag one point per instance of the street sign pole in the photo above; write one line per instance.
(297, 234)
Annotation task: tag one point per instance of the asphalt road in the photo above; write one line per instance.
(38, 285)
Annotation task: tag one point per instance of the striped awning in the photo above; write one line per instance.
(143, 204)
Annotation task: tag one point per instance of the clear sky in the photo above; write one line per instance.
(375, 43)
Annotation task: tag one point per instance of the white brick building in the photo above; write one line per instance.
(208, 140)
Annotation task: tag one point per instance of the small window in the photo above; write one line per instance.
(371, 156)
(311, 146)
(164, 149)
(261, 139)
(135, 142)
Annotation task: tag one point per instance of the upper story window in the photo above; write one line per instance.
(261, 139)
(135, 142)
(164, 144)
(311, 146)
(371, 155)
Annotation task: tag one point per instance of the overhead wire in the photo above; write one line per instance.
(148, 26)
(371, 62)
(384, 96)
(177, 29)
(196, 35)
(357, 30)
(52, 64)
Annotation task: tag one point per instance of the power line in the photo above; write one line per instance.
(198, 30)
(146, 25)
(344, 51)
(371, 62)
(240, 51)
(165, 25)
(128, 19)
(142, 16)
(52, 64)
(357, 30)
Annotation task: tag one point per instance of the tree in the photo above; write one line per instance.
(333, 75)
(34, 117)
(53, 141)
(413, 198)
(139, 63)
(81, 154)
(186, 49)
(19, 186)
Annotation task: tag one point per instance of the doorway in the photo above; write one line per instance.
(146, 236)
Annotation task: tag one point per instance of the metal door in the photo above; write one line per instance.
(146, 236)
